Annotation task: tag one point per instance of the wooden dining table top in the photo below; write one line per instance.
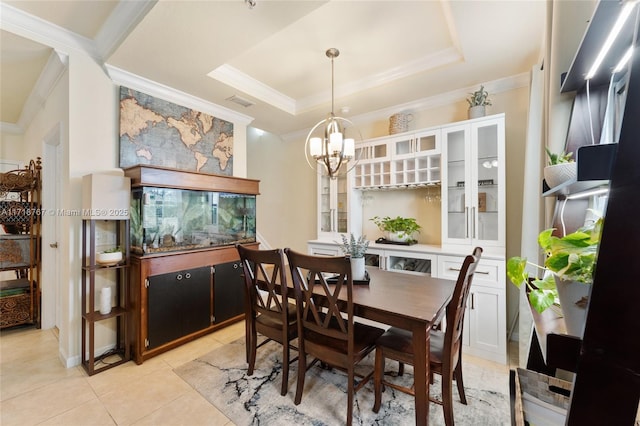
(399, 297)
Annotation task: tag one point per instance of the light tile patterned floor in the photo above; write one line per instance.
(35, 389)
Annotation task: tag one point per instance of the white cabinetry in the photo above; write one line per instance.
(473, 184)
(338, 206)
(485, 329)
(404, 160)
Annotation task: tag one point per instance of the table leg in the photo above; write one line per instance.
(421, 372)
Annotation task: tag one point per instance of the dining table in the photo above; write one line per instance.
(409, 301)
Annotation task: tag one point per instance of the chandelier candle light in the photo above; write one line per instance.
(331, 151)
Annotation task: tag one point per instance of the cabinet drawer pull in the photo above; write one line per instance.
(179, 277)
(477, 272)
(187, 275)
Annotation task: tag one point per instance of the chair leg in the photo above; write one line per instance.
(447, 399)
(457, 374)
(302, 371)
(400, 368)
(350, 392)
(252, 342)
(378, 373)
(285, 368)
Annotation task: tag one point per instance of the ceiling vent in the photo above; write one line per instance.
(241, 101)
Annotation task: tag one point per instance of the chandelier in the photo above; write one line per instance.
(329, 151)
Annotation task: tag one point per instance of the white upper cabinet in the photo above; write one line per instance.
(399, 161)
(473, 183)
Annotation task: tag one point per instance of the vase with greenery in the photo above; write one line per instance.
(568, 259)
(399, 228)
(356, 248)
(560, 168)
(477, 101)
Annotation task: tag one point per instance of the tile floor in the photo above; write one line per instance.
(35, 389)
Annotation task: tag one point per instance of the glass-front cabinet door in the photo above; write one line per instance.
(335, 201)
(473, 187)
(456, 185)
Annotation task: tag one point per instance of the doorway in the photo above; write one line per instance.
(51, 209)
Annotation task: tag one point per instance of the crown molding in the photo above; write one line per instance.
(495, 86)
(438, 59)
(37, 29)
(120, 23)
(459, 95)
(10, 128)
(55, 67)
(238, 80)
(133, 81)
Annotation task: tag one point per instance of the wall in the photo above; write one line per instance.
(11, 146)
(287, 204)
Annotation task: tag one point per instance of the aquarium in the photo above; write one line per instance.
(166, 219)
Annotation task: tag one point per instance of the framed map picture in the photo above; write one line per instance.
(160, 133)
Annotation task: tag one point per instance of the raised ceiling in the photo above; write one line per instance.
(392, 53)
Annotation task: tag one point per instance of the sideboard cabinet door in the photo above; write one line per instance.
(179, 304)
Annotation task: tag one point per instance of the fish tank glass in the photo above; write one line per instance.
(166, 219)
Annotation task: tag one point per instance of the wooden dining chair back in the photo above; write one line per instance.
(327, 330)
(267, 307)
(445, 355)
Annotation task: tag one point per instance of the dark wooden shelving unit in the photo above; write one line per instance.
(121, 312)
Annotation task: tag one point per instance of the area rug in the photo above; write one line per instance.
(221, 378)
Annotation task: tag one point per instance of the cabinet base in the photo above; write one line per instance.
(141, 354)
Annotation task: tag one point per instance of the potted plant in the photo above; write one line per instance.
(569, 265)
(559, 169)
(398, 229)
(109, 257)
(356, 248)
(477, 103)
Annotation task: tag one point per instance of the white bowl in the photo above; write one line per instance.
(109, 259)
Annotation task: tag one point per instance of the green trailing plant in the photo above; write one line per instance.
(479, 98)
(559, 158)
(570, 258)
(355, 247)
(404, 226)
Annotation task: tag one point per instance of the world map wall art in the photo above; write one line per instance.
(160, 133)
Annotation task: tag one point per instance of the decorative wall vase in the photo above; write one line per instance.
(477, 111)
(357, 268)
(560, 173)
(573, 301)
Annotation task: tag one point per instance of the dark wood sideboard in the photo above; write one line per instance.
(178, 296)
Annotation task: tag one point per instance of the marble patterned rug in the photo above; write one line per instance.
(220, 377)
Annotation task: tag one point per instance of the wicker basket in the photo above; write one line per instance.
(399, 123)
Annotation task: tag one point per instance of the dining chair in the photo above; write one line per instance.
(445, 355)
(327, 330)
(267, 308)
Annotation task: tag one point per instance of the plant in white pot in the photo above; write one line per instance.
(559, 169)
(478, 102)
(569, 266)
(398, 229)
(109, 257)
(356, 249)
